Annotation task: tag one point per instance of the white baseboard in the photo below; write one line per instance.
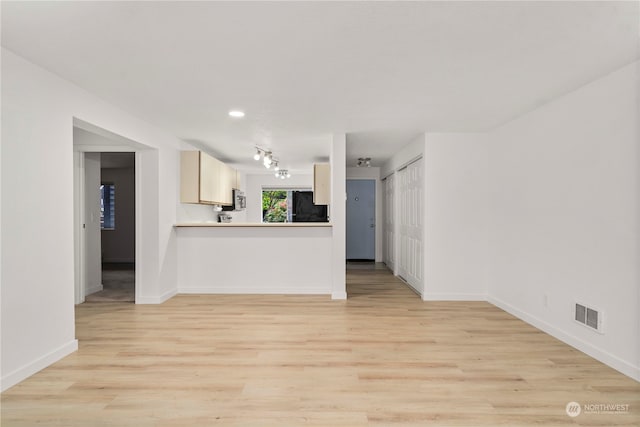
(339, 295)
(254, 290)
(157, 300)
(443, 296)
(24, 372)
(595, 352)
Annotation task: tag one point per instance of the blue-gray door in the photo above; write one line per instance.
(361, 219)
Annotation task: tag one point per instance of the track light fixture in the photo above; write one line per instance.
(364, 161)
(269, 161)
(282, 174)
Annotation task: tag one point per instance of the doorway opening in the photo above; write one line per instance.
(107, 188)
(106, 225)
(117, 228)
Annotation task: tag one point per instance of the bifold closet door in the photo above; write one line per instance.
(410, 219)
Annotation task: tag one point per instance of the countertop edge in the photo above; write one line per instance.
(254, 225)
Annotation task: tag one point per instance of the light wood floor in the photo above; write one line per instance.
(383, 357)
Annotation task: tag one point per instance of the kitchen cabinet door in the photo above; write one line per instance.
(190, 177)
(226, 179)
(209, 178)
(205, 179)
(322, 184)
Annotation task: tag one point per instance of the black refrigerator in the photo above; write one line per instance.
(304, 210)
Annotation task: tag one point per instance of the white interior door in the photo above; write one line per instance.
(92, 233)
(87, 268)
(410, 221)
(361, 219)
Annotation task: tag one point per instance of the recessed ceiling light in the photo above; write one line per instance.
(236, 113)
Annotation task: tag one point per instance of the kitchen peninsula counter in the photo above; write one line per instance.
(254, 258)
(254, 224)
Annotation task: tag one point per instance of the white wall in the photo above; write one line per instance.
(564, 216)
(256, 182)
(37, 295)
(263, 260)
(455, 204)
(338, 215)
(93, 238)
(192, 213)
(374, 174)
(119, 244)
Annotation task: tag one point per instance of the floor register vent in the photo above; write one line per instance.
(589, 317)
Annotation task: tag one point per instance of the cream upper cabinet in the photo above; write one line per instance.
(238, 185)
(209, 168)
(322, 184)
(205, 179)
(226, 183)
(190, 177)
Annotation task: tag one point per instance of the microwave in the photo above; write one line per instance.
(239, 202)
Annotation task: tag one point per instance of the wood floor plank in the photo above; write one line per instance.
(383, 357)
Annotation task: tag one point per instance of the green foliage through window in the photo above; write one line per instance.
(274, 206)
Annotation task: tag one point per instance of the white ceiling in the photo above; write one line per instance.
(382, 72)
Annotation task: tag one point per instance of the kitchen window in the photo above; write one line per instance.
(275, 205)
(291, 205)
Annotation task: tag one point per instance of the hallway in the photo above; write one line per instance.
(119, 284)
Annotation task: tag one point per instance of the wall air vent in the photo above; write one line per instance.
(590, 317)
